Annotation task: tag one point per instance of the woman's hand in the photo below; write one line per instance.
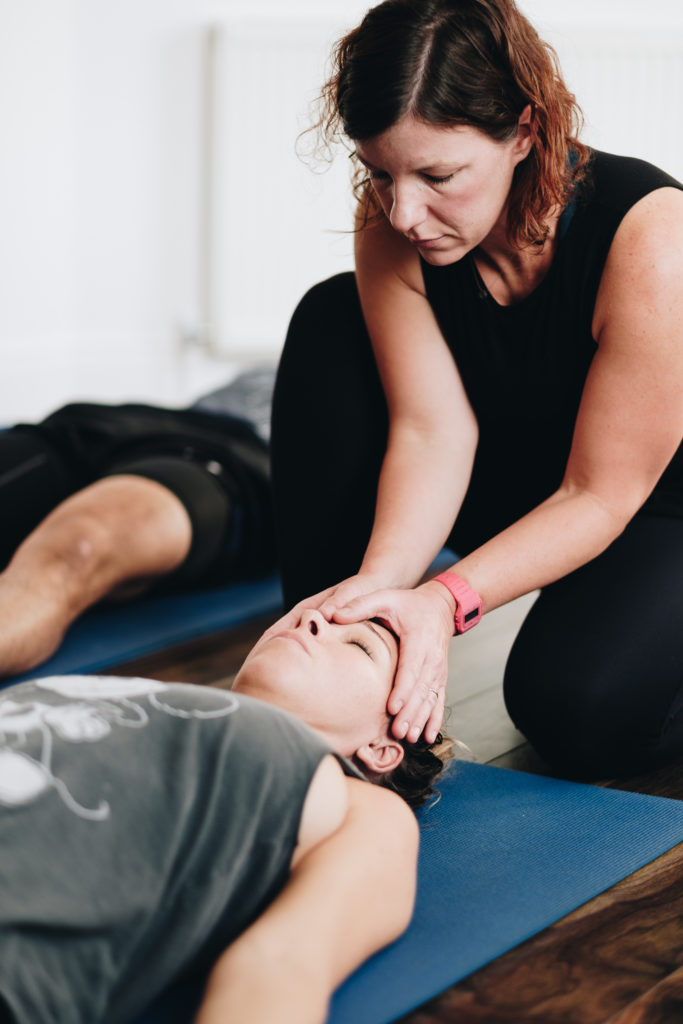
(327, 601)
(423, 621)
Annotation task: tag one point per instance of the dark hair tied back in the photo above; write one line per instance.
(418, 771)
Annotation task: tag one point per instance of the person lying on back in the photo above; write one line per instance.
(155, 832)
(114, 501)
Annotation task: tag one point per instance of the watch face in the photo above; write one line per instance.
(472, 614)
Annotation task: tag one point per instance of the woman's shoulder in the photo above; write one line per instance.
(616, 183)
(382, 253)
(332, 798)
(644, 266)
(638, 204)
(325, 807)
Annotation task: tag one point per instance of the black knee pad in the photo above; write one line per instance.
(568, 700)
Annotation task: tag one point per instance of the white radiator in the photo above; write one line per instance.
(272, 227)
(630, 87)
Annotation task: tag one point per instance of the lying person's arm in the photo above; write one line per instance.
(349, 896)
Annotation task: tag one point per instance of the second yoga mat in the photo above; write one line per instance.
(503, 855)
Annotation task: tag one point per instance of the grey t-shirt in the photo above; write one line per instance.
(143, 826)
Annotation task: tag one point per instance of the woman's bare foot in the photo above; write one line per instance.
(120, 530)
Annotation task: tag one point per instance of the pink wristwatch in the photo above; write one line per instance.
(467, 601)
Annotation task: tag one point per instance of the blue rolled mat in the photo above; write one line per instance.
(503, 855)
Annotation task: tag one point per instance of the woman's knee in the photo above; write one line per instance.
(589, 682)
(327, 341)
(596, 722)
(322, 306)
(576, 719)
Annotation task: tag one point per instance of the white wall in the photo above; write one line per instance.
(101, 181)
(624, 63)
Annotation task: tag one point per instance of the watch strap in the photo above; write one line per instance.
(467, 601)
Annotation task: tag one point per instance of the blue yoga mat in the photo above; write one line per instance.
(110, 635)
(503, 855)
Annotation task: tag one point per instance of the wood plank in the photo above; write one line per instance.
(662, 1004)
(666, 781)
(586, 967)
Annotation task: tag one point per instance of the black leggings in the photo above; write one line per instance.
(595, 677)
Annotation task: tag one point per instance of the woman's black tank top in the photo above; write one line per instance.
(524, 366)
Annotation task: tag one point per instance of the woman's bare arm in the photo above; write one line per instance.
(347, 897)
(432, 429)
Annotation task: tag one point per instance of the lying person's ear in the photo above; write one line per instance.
(380, 756)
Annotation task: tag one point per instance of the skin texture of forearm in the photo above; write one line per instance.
(563, 533)
(421, 488)
(282, 993)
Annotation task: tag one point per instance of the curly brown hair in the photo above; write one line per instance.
(414, 778)
(459, 62)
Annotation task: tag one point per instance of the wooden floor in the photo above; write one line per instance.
(616, 960)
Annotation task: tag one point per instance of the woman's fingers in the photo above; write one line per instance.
(425, 700)
(423, 623)
(292, 618)
(377, 605)
(326, 601)
(344, 593)
(411, 685)
(347, 595)
(435, 720)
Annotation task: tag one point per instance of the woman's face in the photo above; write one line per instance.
(337, 678)
(444, 188)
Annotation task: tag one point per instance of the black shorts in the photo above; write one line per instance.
(214, 463)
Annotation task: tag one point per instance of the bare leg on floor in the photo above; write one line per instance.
(120, 532)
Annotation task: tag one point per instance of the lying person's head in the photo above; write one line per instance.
(337, 678)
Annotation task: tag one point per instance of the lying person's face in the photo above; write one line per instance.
(337, 678)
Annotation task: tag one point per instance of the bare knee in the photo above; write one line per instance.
(140, 519)
(118, 529)
(72, 544)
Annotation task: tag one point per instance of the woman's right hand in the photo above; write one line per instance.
(328, 601)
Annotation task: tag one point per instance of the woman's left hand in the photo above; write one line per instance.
(422, 619)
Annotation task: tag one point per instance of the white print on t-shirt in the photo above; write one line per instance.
(99, 704)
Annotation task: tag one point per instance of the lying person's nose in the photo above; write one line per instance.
(313, 622)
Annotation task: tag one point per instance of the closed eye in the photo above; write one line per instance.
(433, 179)
(363, 647)
(436, 180)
